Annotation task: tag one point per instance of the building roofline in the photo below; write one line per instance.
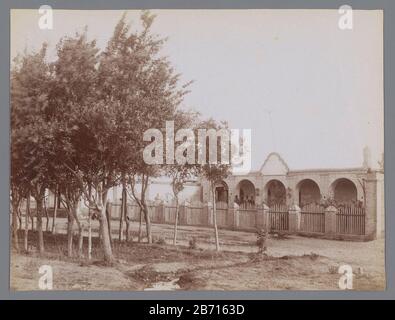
(316, 170)
(354, 169)
(279, 158)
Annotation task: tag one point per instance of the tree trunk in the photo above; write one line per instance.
(121, 216)
(39, 210)
(90, 227)
(140, 225)
(32, 219)
(70, 223)
(176, 222)
(127, 231)
(147, 223)
(80, 232)
(55, 211)
(14, 235)
(215, 220)
(89, 235)
(105, 237)
(27, 214)
(104, 229)
(126, 218)
(108, 216)
(46, 215)
(20, 216)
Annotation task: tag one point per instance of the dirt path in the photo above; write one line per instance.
(295, 263)
(368, 254)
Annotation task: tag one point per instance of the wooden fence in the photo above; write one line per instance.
(60, 213)
(279, 217)
(350, 220)
(346, 220)
(247, 218)
(312, 218)
(195, 216)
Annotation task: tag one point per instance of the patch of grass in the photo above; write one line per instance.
(149, 275)
(313, 256)
(189, 281)
(280, 235)
(160, 241)
(259, 257)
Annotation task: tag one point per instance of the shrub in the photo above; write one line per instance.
(160, 240)
(261, 235)
(280, 235)
(193, 243)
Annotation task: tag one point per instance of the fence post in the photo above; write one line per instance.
(330, 220)
(266, 217)
(230, 217)
(371, 206)
(160, 212)
(262, 215)
(236, 217)
(294, 218)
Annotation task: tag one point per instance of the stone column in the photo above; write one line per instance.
(236, 217)
(266, 217)
(161, 212)
(205, 191)
(231, 191)
(294, 216)
(258, 196)
(330, 220)
(380, 206)
(294, 192)
(371, 205)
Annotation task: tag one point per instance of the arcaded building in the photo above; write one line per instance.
(275, 184)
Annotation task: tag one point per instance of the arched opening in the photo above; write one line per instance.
(309, 192)
(222, 193)
(344, 191)
(245, 194)
(275, 193)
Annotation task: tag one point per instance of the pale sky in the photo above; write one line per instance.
(307, 89)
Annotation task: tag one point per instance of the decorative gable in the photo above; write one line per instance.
(274, 165)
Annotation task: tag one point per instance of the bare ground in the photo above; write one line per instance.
(293, 263)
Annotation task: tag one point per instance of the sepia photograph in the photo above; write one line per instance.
(196, 150)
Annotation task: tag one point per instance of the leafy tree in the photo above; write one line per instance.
(214, 171)
(77, 123)
(95, 161)
(72, 89)
(145, 89)
(16, 198)
(31, 133)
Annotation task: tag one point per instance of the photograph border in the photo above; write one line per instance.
(388, 8)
